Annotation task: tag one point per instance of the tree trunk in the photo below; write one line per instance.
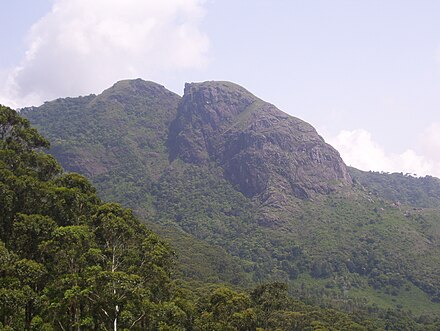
(28, 315)
(115, 322)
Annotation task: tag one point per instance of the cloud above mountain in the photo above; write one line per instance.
(84, 46)
(360, 150)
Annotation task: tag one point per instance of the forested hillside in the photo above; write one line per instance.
(71, 262)
(248, 194)
(401, 188)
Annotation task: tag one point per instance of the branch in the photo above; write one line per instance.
(143, 314)
(61, 325)
(106, 314)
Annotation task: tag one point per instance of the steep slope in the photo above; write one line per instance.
(260, 188)
(65, 255)
(260, 148)
(117, 139)
(71, 262)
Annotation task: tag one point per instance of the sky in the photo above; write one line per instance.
(365, 74)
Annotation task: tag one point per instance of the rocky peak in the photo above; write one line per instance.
(206, 113)
(217, 103)
(260, 148)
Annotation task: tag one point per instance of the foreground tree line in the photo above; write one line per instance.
(71, 262)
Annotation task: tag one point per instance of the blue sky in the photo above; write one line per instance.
(366, 74)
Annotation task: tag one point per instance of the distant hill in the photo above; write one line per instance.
(249, 194)
(405, 189)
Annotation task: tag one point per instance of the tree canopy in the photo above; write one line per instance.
(69, 261)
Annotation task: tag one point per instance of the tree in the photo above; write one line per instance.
(131, 256)
(69, 251)
(227, 310)
(32, 279)
(28, 232)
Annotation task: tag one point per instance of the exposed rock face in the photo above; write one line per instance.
(133, 129)
(260, 148)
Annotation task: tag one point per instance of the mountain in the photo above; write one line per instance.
(400, 188)
(247, 193)
(69, 261)
(259, 148)
(72, 262)
(117, 138)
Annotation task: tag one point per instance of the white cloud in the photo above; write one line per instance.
(84, 46)
(359, 150)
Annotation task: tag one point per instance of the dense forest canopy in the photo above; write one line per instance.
(69, 261)
(401, 188)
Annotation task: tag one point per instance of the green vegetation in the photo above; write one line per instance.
(400, 188)
(354, 248)
(200, 203)
(71, 262)
(111, 139)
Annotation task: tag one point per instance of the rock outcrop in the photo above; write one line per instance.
(259, 147)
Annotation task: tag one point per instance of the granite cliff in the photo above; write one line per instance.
(260, 148)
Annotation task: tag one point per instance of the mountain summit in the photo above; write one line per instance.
(259, 147)
(248, 194)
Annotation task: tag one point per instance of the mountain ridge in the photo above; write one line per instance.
(253, 141)
(224, 167)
